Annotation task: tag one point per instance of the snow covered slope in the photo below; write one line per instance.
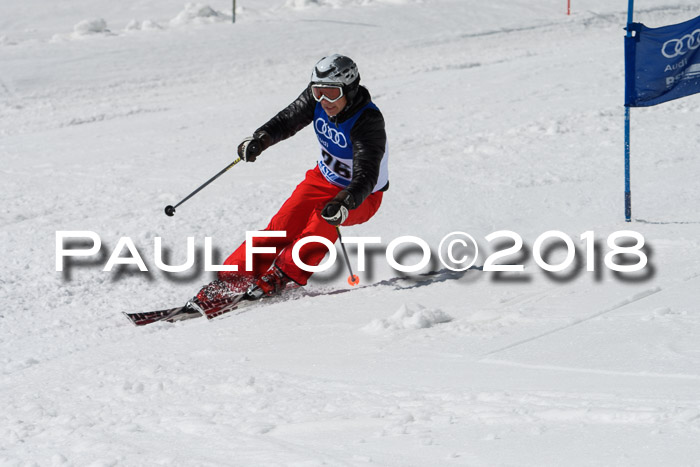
(500, 115)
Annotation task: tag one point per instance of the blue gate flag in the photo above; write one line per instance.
(662, 64)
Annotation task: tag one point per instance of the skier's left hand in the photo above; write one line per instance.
(336, 210)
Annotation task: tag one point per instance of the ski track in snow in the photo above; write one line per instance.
(109, 112)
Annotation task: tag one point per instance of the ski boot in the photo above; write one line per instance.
(271, 283)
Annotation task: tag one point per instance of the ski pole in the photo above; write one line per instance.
(353, 280)
(170, 210)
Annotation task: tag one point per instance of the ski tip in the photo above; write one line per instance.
(353, 280)
(126, 315)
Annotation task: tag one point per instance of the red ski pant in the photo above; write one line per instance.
(299, 217)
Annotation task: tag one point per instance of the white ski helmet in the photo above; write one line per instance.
(337, 70)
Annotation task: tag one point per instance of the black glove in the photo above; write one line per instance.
(252, 146)
(336, 210)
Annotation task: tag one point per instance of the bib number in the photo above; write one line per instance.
(336, 165)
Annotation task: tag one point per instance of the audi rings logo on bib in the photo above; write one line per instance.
(331, 133)
(677, 47)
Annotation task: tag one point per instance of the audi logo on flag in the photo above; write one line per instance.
(331, 133)
(677, 47)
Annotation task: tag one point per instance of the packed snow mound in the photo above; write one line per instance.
(198, 13)
(408, 317)
(89, 27)
(4, 40)
(302, 4)
(147, 25)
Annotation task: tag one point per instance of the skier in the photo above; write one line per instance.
(344, 188)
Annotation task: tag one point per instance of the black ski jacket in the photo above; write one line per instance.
(368, 136)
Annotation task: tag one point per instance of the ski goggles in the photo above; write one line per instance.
(330, 92)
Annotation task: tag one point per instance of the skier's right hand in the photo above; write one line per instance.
(249, 149)
(252, 146)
